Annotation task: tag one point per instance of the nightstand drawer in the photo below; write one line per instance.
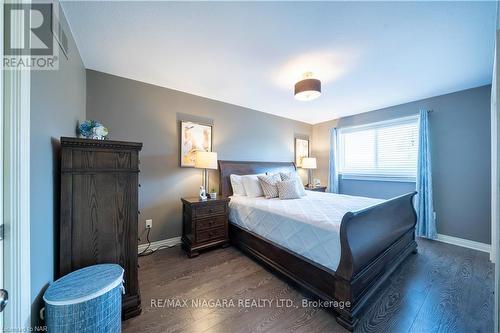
(211, 222)
(209, 210)
(210, 234)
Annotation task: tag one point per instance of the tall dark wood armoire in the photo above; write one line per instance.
(99, 210)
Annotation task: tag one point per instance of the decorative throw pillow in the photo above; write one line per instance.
(294, 176)
(287, 189)
(252, 186)
(268, 184)
(237, 185)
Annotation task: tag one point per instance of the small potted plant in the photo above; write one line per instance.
(213, 194)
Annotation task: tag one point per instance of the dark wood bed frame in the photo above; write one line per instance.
(374, 241)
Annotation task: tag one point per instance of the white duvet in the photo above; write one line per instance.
(308, 226)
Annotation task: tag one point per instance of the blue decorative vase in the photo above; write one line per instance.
(91, 129)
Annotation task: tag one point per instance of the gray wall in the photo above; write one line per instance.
(136, 111)
(57, 103)
(460, 136)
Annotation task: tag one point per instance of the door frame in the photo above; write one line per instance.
(16, 187)
(1, 154)
(495, 172)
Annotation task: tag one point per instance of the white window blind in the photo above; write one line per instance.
(386, 149)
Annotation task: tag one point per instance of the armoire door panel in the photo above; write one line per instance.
(101, 160)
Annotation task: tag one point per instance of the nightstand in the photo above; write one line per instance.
(316, 188)
(204, 224)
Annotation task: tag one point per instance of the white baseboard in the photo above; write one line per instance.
(162, 243)
(441, 238)
(464, 243)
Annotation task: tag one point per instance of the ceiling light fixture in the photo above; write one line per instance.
(308, 88)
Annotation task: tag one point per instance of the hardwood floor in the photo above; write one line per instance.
(444, 288)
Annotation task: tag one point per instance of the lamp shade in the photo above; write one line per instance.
(205, 160)
(309, 163)
(307, 89)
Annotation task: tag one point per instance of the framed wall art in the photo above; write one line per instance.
(194, 137)
(301, 151)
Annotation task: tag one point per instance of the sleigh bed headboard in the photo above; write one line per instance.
(228, 168)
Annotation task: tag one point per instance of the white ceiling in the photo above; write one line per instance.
(369, 55)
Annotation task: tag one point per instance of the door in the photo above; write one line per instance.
(14, 182)
(2, 287)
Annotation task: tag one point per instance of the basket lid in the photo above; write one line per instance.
(84, 284)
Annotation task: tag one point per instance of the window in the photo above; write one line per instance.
(381, 150)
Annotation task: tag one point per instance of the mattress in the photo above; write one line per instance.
(309, 226)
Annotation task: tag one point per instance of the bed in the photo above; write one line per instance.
(338, 248)
(309, 226)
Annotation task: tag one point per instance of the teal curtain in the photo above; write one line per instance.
(333, 174)
(426, 225)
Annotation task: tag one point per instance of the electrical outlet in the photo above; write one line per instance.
(149, 224)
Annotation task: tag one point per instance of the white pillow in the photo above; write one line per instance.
(294, 176)
(252, 186)
(237, 185)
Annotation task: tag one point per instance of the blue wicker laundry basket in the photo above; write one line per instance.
(86, 300)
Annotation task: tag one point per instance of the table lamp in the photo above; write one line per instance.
(309, 163)
(205, 160)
